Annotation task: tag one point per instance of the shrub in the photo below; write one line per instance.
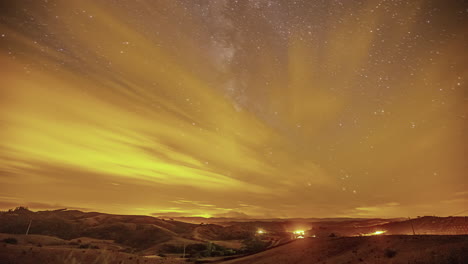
(254, 245)
(10, 240)
(390, 253)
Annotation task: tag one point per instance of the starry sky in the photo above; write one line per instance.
(235, 108)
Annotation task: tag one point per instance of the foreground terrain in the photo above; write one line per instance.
(58, 255)
(376, 249)
(71, 236)
(395, 249)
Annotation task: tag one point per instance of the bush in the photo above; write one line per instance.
(254, 245)
(217, 253)
(229, 252)
(10, 240)
(390, 253)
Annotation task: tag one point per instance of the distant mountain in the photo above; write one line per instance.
(252, 219)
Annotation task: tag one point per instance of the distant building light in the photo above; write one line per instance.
(299, 234)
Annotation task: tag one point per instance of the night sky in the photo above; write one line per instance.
(265, 108)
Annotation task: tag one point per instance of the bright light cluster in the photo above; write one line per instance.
(376, 233)
(299, 232)
(379, 232)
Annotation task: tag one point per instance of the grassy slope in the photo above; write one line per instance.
(22, 254)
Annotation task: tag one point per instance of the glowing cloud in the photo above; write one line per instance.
(208, 108)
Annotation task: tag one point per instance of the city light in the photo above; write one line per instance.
(299, 234)
(376, 233)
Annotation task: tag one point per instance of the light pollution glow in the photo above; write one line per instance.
(226, 108)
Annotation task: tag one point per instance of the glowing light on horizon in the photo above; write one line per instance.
(375, 233)
(203, 215)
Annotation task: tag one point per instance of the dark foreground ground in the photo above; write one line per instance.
(14, 254)
(375, 249)
(40, 249)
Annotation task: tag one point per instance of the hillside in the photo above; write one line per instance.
(139, 232)
(376, 249)
(144, 235)
(73, 231)
(67, 254)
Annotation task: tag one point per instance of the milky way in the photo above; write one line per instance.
(231, 108)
